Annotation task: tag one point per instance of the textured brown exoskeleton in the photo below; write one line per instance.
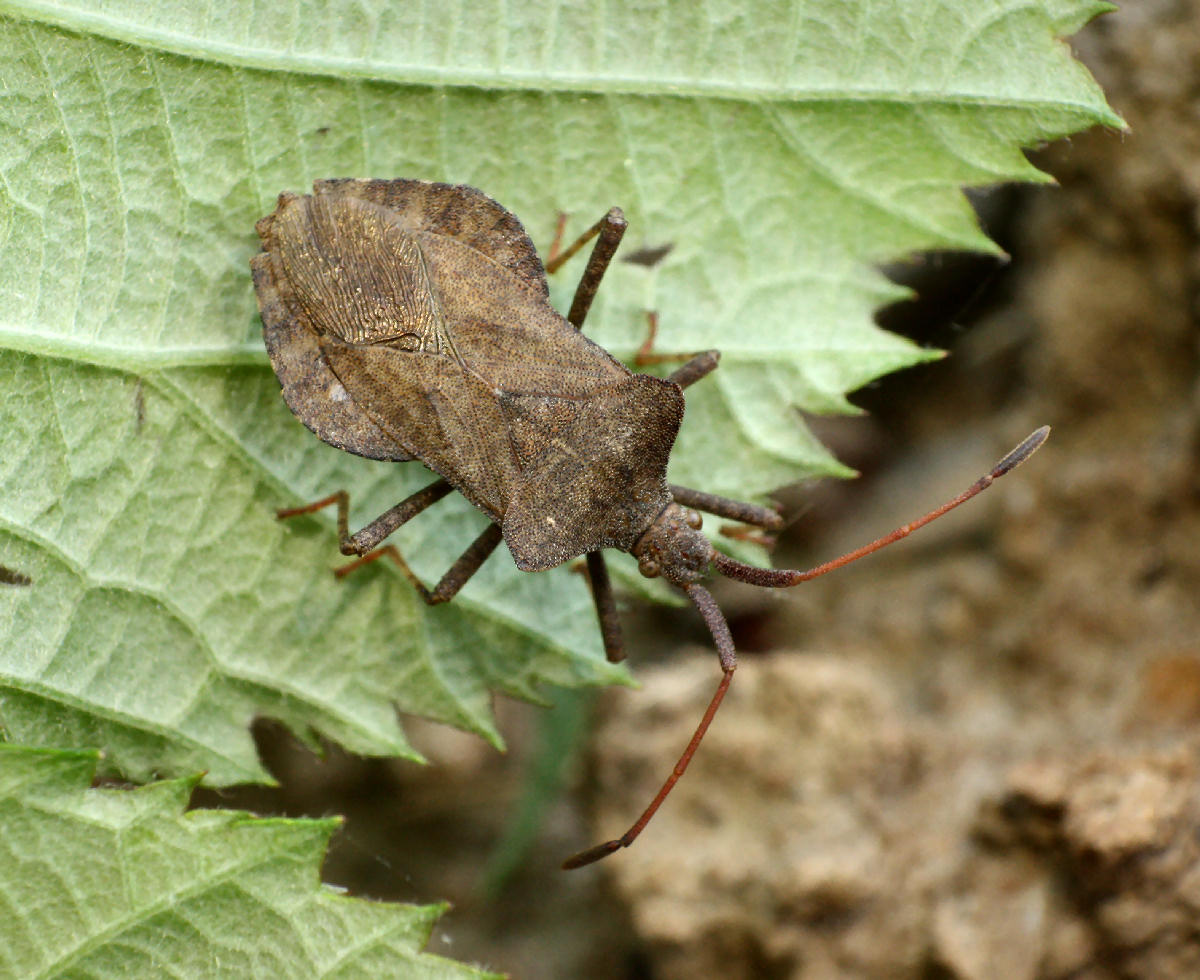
(409, 320)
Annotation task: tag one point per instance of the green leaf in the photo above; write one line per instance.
(781, 148)
(123, 883)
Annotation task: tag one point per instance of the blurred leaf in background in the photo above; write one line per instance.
(107, 883)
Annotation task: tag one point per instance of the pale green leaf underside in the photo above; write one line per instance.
(782, 149)
(122, 883)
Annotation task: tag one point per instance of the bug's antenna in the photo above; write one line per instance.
(715, 621)
(778, 578)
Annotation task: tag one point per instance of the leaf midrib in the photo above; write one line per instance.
(508, 79)
(139, 361)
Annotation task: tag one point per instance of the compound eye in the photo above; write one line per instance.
(648, 566)
(693, 519)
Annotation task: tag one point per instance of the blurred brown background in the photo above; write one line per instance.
(973, 756)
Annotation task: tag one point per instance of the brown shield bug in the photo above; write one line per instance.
(410, 320)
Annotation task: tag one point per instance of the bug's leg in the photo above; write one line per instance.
(560, 229)
(610, 228)
(645, 354)
(699, 366)
(363, 541)
(719, 629)
(456, 577)
(734, 510)
(606, 607)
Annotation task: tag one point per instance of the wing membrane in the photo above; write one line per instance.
(354, 273)
(442, 414)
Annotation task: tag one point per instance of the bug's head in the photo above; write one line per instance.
(674, 547)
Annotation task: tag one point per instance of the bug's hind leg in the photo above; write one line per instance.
(363, 541)
(457, 575)
(734, 510)
(610, 229)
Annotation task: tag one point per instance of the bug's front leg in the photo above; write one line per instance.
(697, 366)
(611, 228)
(606, 607)
(700, 366)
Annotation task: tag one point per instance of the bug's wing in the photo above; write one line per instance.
(452, 211)
(351, 272)
(362, 283)
(599, 481)
(589, 439)
(311, 390)
(495, 375)
(446, 416)
(502, 330)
